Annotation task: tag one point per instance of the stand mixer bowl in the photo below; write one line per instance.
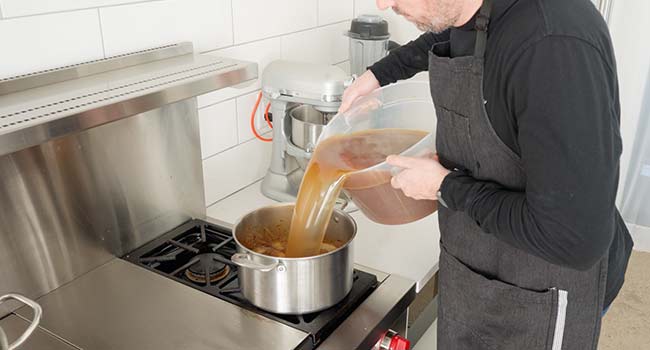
(307, 124)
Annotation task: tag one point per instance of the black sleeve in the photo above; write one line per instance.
(407, 60)
(563, 95)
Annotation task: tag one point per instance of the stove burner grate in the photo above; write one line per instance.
(197, 249)
(207, 269)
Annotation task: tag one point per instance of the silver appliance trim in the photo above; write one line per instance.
(368, 323)
(78, 70)
(98, 158)
(41, 339)
(123, 306)
(38, 312)
(194, 319)
(320, 85)
(33, 116)
(72, 204)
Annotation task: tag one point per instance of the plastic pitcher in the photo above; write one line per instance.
(405, 105)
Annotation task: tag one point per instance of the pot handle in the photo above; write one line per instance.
(38, 311)
(244, 260)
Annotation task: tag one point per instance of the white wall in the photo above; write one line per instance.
(42, 34)
(628, 28)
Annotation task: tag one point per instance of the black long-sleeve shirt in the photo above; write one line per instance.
(552, 97)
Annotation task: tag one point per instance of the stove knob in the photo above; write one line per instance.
(399, 343)
(392, 341)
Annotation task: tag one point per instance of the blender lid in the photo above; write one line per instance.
(369, 27)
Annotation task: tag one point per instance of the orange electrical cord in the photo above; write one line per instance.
(266, 117)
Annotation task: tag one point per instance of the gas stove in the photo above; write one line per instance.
(198, 253)
(87, 207)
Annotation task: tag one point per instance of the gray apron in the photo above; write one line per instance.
(493, 295)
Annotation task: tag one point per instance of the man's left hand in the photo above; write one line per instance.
(420, 178)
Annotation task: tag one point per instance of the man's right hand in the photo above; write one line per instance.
(363, 85)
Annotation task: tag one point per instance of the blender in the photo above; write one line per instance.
(369, 42)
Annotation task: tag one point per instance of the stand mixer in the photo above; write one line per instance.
(303, 97)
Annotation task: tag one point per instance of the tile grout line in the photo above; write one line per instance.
(101, 32)
(279, 35)
(234, 146)
(81, 9)
(237, 122)
(228, 99)
(234, 193)
(232, 22)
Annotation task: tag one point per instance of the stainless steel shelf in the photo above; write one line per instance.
(51, 104)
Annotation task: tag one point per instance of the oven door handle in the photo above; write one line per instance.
(244, 260)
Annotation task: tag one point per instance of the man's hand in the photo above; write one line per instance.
(363, 85)
(421, 177)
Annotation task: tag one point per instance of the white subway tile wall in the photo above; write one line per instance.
(330, 11)
(72, 31)
(208, 23)
(321, 45)
(262, 52)
(234, 169)
(36, 43)
(245, 106)
(258, 19)
(14, 8)
(218, 126)
(345, 66)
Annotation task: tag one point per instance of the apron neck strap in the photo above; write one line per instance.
(481, 26)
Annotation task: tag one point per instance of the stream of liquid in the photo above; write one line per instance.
(333, 160)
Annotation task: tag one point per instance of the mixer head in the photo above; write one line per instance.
(319, 85)
(303, 97)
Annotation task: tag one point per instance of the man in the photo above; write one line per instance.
(533, 249)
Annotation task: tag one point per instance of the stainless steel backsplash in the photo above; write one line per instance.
(72, 204)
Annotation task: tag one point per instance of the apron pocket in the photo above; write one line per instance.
(468, 340)
(501, 315)
(453, 141)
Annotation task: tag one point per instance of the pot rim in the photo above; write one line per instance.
(249, 251)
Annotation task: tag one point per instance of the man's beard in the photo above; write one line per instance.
(444, 15)
(436, 26)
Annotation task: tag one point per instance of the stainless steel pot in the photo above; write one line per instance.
(294, 285)
(4, 344)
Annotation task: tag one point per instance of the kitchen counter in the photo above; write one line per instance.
(15, 326)
(122, 306)
(410, 250)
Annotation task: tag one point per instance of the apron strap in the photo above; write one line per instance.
(481, 26)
